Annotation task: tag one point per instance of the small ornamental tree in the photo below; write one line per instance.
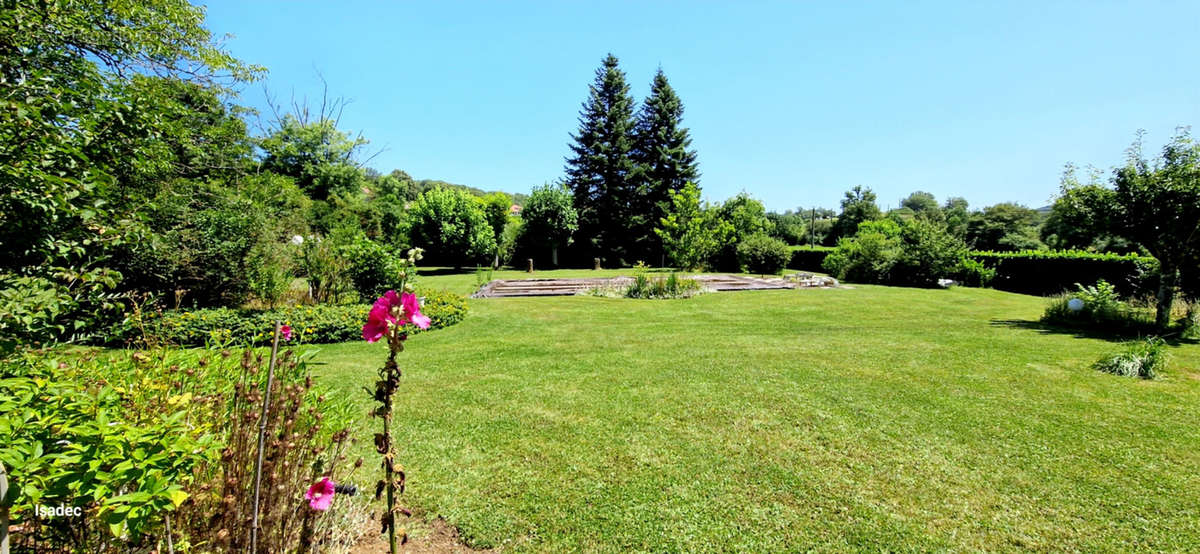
(496, 206)
(692, 232)
(550, 218)
(392, 316)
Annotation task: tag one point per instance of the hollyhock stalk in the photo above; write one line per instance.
(388, 318)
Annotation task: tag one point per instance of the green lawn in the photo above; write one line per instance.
(864, 418)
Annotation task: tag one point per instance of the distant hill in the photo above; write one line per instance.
(426, 184)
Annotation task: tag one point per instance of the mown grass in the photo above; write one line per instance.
(850, 419)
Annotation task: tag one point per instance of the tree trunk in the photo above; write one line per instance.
(1166, 296)
(554, 256)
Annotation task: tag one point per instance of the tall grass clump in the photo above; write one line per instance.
(1142, 358)
(671, 286)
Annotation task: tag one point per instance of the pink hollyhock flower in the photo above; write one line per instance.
(320, 494)
(286, 331)
(381, 316)
(412, 311)
(393, 309)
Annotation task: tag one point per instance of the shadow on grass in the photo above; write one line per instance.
(1172, 338)
(439, 271)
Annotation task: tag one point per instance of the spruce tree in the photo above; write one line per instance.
(664, 163)
(599, 173)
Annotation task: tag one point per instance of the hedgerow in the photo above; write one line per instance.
(1045, 272)
(809, 258)
(310, 324)
(1040, 272)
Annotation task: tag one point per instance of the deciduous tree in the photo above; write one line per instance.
(857, 206)
(1157, 205)
(549, 219)
(692, 232)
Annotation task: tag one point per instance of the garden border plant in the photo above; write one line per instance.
(392, 317)
(310, 324)
(136, 437)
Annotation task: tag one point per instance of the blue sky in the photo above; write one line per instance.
(792, 102)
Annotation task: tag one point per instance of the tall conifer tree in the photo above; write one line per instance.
(600, 172)
(664, 162)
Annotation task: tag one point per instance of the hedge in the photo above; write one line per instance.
(1045, 272)
(310, 324)
(1040, 272)
(809, 258)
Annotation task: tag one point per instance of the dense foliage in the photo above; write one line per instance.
(1004, 226)
(452, 227)
(310, 324)
(549, 221)
(1045, 272)
(82, 144)
(910, 252)
(858, 206)
(809, 258)
(131, 439)
(693, 231)
(762, 254)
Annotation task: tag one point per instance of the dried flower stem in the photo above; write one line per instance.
(262, 431)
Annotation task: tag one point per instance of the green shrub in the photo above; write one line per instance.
(762, 254)
(1142, 358)
(451, 226)
(310, 324)
(199, 242)
(130, 437)
(928, 253)
(1099, 306)
(972, 273)
(743, 217)
(68, 446)
(326, 270)
(1189, 324)
(869, 256)
(373, 268)
(270, 272)
(913, 252)
(70, 305)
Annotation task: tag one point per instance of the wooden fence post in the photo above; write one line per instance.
(3, 510)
